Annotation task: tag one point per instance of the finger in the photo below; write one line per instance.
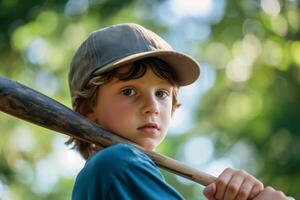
(280, 195)
(234, 185)
(256, 189)
(222, 182)
(267, 193)
(245, 190)
(210, 191)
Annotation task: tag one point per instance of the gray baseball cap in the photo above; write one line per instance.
(114, 46)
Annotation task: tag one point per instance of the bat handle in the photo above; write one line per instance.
(189, 172)
(179, 168)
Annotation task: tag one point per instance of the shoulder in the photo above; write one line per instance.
(107, 167)
(116, 160)
(117, 157)
(122, 172)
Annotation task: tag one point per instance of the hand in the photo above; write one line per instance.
(270, 193)
(233, 184)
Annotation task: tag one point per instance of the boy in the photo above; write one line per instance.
(126, 79)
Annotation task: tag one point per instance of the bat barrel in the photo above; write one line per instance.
(32, 106)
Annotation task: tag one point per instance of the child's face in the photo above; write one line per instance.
(139, 109)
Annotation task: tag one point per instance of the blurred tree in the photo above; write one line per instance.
(255, 51)
(254, 104)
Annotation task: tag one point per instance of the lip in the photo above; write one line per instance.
(149, 128)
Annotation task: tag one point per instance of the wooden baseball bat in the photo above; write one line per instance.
(30, 105)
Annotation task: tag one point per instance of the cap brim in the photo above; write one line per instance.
(186, 68)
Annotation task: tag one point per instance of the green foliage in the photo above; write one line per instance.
(254, 102)
(263, 107)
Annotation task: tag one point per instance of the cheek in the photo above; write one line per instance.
(116, 116)
(166, 113)
(122, 110)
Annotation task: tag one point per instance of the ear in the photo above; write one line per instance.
(91, 116)
(89, 112)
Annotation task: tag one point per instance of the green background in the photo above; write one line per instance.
(247, 114)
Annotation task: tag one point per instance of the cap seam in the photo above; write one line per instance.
(91, 43)
(144, 39)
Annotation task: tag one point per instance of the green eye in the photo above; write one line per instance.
(128, 92)
(161, 94)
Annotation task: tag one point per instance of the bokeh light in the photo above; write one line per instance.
(37, 51)
(271, 7)
(22, 138)
(272, 53)
(198, 151)
(76, 7)
(279, 25)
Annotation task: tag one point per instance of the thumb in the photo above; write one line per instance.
(210, 191)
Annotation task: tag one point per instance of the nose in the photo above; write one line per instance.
(150, 106)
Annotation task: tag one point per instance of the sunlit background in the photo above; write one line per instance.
(243, 112)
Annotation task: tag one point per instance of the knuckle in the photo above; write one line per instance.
(233, 188)
(243, 194)
(280, 193)
(243, 173)
(221, 182)
(269, 188)
(259, 185)
(228, 170)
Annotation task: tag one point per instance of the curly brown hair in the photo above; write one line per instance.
(87, 98)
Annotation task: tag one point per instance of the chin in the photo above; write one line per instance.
(148, 145)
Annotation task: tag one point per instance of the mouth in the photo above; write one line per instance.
(149, 128)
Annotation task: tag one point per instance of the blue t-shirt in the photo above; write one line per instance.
(121, 172)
